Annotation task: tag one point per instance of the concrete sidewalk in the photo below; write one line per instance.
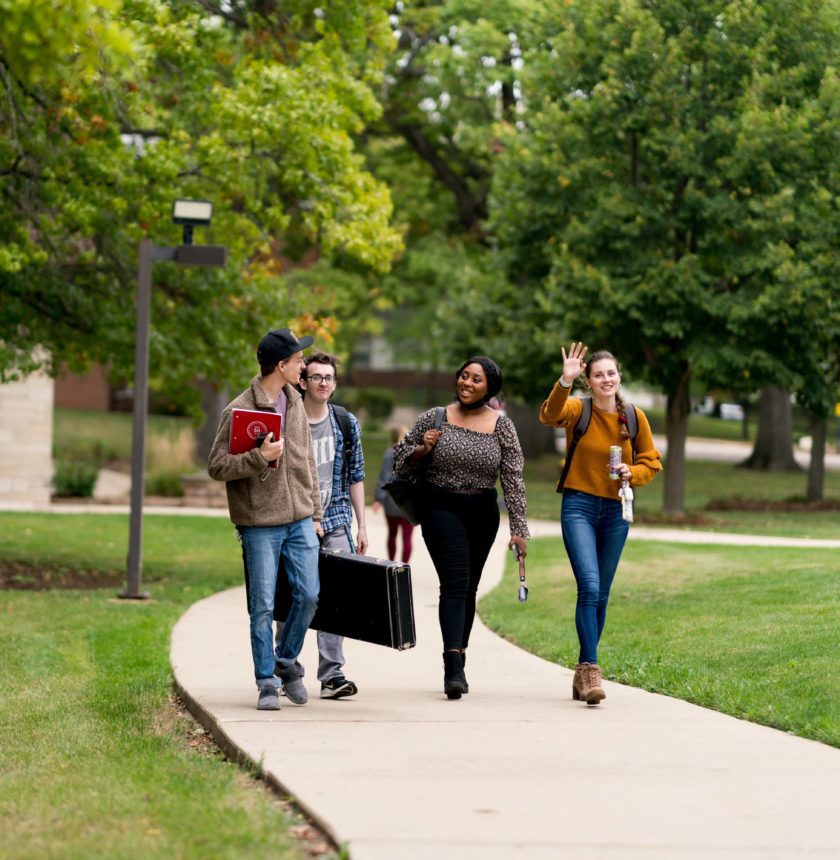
(732, 451)
(516, 769)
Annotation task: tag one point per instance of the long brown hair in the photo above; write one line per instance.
(620, 407)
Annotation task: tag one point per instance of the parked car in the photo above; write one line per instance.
(706, 406)
(731, 411)
(727, 411)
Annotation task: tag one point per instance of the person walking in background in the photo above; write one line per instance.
(275, 511)
(460, 464)
(397, 523)
(594, 530)
(337, 448)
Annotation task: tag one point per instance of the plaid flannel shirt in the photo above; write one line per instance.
(339, 512)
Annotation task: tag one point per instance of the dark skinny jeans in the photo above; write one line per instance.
(458, 530)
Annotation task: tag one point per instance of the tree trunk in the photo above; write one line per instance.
(773, 450)
(816, 467)
(745, 423)
(213, 403)
(676, 430)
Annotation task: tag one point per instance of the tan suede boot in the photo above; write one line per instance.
(577, 683)
(590, 688)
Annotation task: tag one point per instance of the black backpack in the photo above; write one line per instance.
(583, 425)
(346, 426)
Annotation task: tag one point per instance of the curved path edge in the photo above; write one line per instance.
(208, 721)
(514, 769)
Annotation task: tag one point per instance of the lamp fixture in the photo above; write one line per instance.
(191, 213)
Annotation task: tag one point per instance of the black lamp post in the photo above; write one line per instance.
(190, 214)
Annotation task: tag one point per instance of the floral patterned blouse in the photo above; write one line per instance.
(465, 459)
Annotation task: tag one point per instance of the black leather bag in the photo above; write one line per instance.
(408, 496)
(408, 493)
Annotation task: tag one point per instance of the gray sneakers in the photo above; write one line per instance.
(293, 688)
(269, 700)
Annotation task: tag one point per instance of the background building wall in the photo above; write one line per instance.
(90, 391)
(26, 435)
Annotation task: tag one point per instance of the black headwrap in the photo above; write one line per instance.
(494, 379)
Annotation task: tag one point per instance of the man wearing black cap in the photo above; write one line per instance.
(275, 511)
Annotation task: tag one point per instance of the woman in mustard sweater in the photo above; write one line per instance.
(594, 530)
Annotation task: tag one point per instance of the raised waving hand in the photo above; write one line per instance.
(573, 364)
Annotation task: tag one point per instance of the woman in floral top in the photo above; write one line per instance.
(460, 463)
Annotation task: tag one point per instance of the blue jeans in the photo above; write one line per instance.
(263, 546)
(330, 646)
(594, 534)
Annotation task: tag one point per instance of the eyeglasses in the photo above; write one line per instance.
(318, 379)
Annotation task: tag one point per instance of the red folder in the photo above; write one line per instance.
(247, 426)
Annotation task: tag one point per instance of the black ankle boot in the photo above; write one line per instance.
(454, 682)
(464, 665)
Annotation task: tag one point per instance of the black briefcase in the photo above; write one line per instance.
(361, 598)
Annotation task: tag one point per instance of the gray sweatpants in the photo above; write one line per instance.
(330, 646)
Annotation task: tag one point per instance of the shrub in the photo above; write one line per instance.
(164, 482)
(348, 397)
(75, 478)
(94, 452)
(378, 403)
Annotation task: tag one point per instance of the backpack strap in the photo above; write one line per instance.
(583, 425)
(440, 413)
(346, 427)
(632, 427)
(580, 428)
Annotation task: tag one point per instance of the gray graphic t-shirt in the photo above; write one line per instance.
(323, 444)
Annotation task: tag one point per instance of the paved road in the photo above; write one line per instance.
(516, 769)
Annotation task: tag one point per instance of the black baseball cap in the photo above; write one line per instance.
(280, 344)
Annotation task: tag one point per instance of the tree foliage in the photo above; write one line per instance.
(450, 81)
(662, 193)
(113, 109)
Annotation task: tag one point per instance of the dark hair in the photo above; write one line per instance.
(268, 369)
(604, 355)
(491, 370)
(322, 358)
(316, 358)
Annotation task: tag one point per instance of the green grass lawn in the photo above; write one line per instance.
(749, 631)
(94, 761)
(169, 438)
(706, 426)
(704, 482)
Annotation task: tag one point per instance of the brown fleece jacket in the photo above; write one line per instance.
(590, 469)
(258, 495)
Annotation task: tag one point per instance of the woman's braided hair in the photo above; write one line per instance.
(602, 355)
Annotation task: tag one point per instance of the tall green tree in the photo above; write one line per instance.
(128, 105)
(451, 80)
(640, 206)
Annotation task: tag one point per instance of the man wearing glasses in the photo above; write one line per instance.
(337, 444)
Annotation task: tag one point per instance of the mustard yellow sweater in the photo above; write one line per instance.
(590, 469)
